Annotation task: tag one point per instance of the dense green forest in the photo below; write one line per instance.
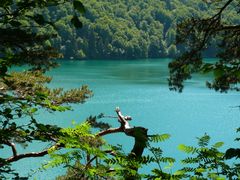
(117, 29)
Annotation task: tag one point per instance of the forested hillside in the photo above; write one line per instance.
(124, 29)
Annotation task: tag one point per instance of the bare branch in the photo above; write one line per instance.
(110, 131)
(109, 116)
(17, 157)
(27, 155)
(12, 145)
(124, 124)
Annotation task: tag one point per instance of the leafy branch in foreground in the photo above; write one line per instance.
(207, 162)
(88, 156)
(233, 152)
(23, 95)
(197, 35)
(24, 40)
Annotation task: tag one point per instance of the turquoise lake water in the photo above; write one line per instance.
(140, 89)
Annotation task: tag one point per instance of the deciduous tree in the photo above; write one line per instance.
(23, 94)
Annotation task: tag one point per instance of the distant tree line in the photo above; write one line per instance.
(124, 29)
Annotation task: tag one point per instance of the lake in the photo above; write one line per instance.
(140, 89)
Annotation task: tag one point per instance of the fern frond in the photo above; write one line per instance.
(111, 161)
(179, 173)
(156, 151)
(204, 140)
(167, 160)
(188, 169)
(159, 174)
(123, 160)
(190, 160)
(200, 170)
(146, 159)
(187, 149)
(159, 137)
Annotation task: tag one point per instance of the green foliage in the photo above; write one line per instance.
(207, 162)
(197, 36)
(137, 29)
(233, 152)
(21, 27)
(204, 163)
(123, 29)
(76, 141)
(93, 121)
(87, 156)
(204, 140)
(187, 149)
(25, 39)
(158, 137)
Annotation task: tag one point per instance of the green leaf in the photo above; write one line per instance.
(218, 145)
(76, 22)
(188, 169)
(33, 110)
(41, 95)
(204, 140)
(218, 72)
(169, 166)
(179, 172)
(206, 68)
(187, 149)
(190, 160)
(79, 6)
(146, 159)
(167, 159)
(156, 151)
(159, 137)
(200, 170)
(60, 108)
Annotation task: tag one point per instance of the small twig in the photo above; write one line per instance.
(13, 146)
(109, 116)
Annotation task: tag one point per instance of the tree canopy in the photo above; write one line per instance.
(126, 29)
(197, 35)
(24, 93)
